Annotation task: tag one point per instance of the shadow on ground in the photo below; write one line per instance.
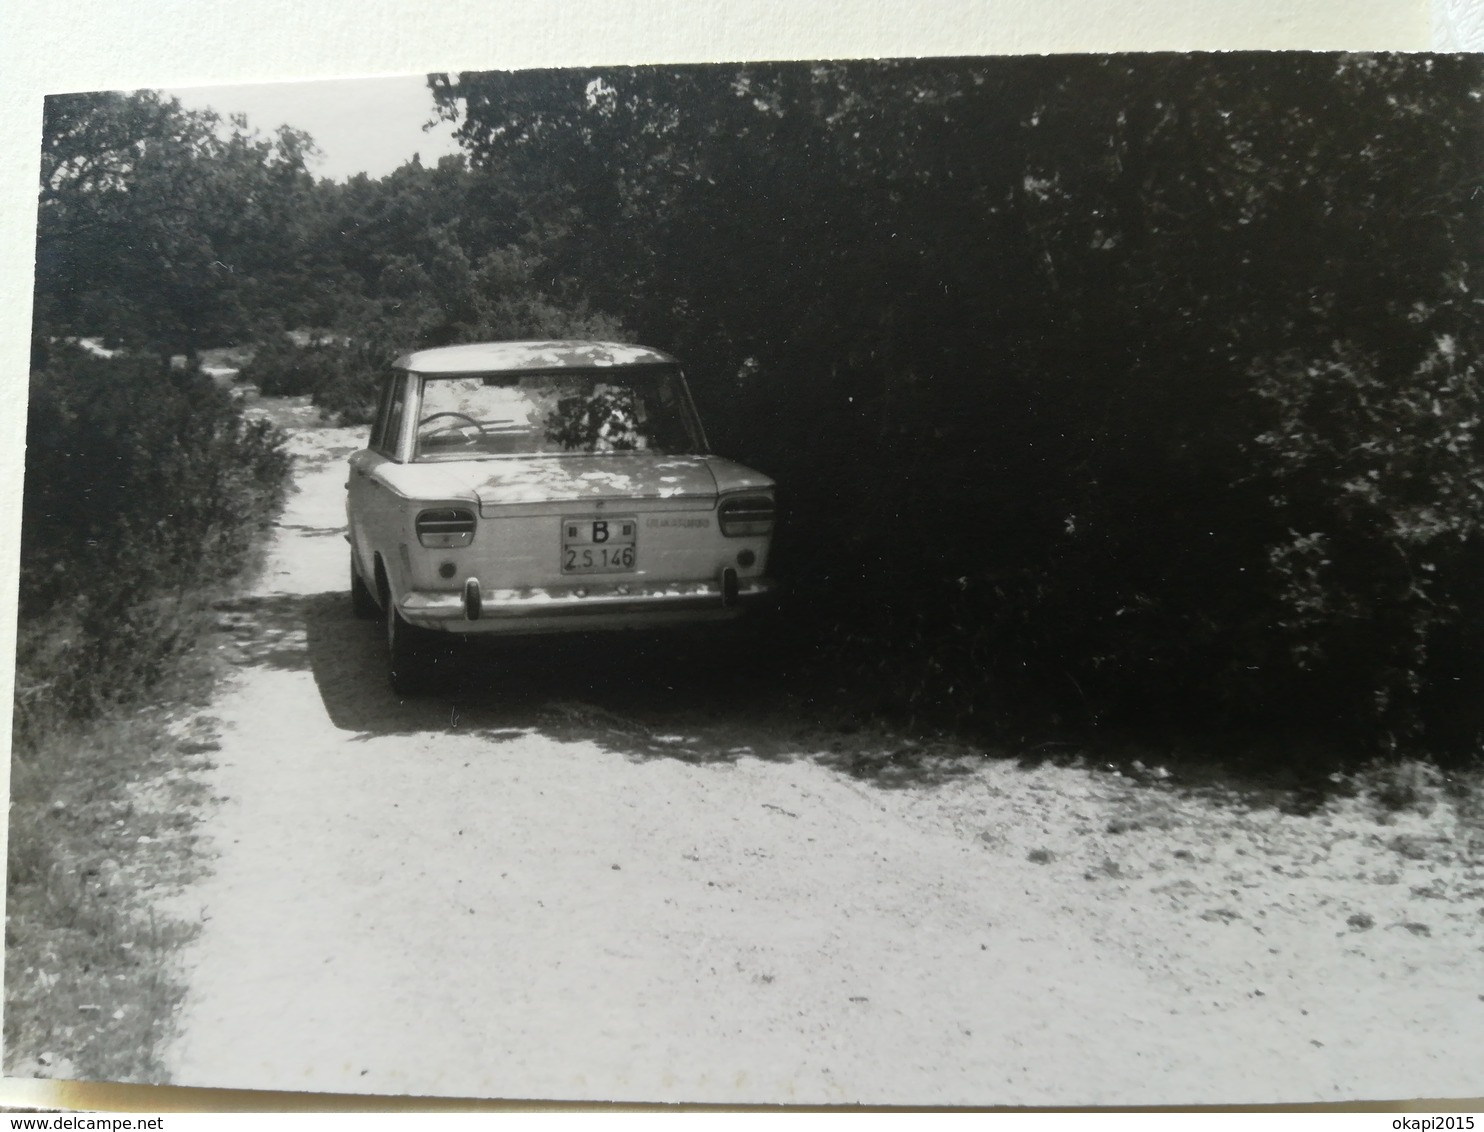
(693, 698)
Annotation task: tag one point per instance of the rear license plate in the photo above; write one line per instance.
(600, 546)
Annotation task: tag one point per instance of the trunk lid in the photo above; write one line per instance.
(661, 480)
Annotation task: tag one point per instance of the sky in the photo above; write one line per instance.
(361, 125)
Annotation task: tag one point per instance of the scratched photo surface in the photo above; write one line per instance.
(900, 582)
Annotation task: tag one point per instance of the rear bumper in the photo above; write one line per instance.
(577, 608)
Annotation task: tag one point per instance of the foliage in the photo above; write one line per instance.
(281, 367)
(333, 372)
(1374, 566)
(422, 257)
(602, 421)
(143, 492)
(1120, 391)
(163, 228)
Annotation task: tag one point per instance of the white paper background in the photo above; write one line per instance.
(110, 44)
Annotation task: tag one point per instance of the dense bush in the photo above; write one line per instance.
(334, 373)
(1122, 392)
(144, 490)
(280, 367)
(339, 370)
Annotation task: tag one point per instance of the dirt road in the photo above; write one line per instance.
(590, 873)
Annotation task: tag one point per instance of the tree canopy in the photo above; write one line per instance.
(1146, 383)
(162, 227)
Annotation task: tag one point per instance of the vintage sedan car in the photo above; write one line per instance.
(524, 488)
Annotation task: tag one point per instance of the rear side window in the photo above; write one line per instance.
(388, 427)
(383, 409)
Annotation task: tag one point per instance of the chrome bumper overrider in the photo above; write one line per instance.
(577, 601)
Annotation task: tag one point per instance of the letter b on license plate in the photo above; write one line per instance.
(599, 546)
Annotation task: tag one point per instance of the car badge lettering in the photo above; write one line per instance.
(674, 522)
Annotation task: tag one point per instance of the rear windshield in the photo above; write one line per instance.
(581, 412)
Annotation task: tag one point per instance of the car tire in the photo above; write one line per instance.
(407, 662)
(362, 603)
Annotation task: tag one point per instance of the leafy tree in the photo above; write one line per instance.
(163, 227)
(421, 257)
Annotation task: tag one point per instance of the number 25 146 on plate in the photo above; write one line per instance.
(599, 546)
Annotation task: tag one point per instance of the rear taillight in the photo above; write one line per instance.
(445, 527)
(746, 515)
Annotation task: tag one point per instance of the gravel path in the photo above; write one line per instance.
(543, 886)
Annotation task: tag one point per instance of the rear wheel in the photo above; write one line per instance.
(419, 660)
(406, 659)
(362, 603)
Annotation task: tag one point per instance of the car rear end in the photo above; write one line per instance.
(579, 500)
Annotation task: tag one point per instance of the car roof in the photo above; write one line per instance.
(530, 357)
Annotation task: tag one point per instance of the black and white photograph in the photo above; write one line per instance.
(913, 582)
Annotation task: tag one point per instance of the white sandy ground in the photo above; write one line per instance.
(436, 898)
